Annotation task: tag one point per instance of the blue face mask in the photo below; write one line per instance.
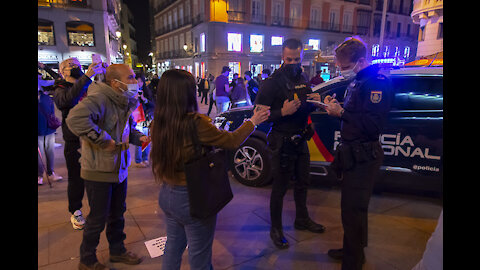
(132, 89)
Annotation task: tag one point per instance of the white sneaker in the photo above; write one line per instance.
(55, 177)
(78, 222)
(40, 180)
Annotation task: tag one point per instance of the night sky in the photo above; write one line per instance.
(140, 11)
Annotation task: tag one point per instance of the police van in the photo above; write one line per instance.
(412, 139)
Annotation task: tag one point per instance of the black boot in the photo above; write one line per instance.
(308, 224)
(337, 254)
(278, 239)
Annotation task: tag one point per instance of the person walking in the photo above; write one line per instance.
(68, 92)
(105, 160)
(46, 139)
(211, 93)
(171, 137)
(359, 155)
(204, 88)
(252, 85)
(286, 92)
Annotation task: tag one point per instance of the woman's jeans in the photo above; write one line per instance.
(223, 102)
(182, 229)
(46, 145)
(139, 154)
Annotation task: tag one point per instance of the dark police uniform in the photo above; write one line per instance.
(359, 156)
(287, 141)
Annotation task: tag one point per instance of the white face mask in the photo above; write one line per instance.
(132, 89)
(349, 73)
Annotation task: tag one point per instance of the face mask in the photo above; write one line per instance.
(349, 74)
(293, 70)
(76, 72)
(132, 89)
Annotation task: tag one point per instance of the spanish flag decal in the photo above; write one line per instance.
(318, 151)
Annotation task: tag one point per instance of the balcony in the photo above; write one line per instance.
(171, 27)
(236, 16)
(258, 19)
(63, 3)
(174, 54)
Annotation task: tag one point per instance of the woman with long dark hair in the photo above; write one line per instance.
(175, 115)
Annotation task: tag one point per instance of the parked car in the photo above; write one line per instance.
(412, 139)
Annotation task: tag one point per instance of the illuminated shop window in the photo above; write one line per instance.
(277, 41)
(386, 52)
(45, 32)
(256, 43)
(397, 52)
(80, 34)
(234, 41)
(202, 42)
(315, 43)
(375, 50)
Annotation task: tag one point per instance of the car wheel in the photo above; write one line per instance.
(250, 163)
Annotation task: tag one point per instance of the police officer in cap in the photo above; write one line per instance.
(359, 155)
(286, 92)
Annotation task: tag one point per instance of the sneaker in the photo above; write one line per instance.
(146, 163)
(78, 222)
(141, 165)
(40, 180)
(126, 258)
(55, 177)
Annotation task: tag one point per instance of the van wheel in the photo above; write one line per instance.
(250, 163)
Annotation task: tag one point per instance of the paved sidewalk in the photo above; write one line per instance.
(399, 227)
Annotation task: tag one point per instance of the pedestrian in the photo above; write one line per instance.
(105, 160)
(252, 85)
(317, 79)
(171, 137)
(359, 155)
(153, 86)
(286, 92)
(199, 89)
(211, 93)
(204, 88)
(266, 73)
(239, 96)
(68, 92)
(143, 116)
(234, 80)
(46, 138)
(222, 91)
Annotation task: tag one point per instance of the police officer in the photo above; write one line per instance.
(286, 92)
(359, 156)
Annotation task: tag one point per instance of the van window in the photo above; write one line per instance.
(418, 93)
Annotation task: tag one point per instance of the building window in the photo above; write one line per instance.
(406, 52)
(440, 31)
(314, 43)
(277, 41)
(375, 50)
(386, 52)
(277, 16)
(80, 34)
(256, 43)
(45, 33)
(202, 42)
(234, 42)
(257, 11)
(421, 34)
(78, 3)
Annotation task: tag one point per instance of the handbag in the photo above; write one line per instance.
(52, 121)
(208, 185)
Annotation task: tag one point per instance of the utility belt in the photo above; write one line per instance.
(347, 155)
(291, 140)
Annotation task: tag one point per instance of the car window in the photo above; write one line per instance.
(418, 93)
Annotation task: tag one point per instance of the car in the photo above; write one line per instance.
(412, 139)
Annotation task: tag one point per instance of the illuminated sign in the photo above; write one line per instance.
(234, 42)
(394, 61)
(277, 41)
(256, 43)
(314, 43)
(202, 42)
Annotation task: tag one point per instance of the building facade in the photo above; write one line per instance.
(428, 14)
(201, 36)
(128, 40)
(78, 28)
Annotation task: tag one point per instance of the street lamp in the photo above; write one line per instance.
(118, 34)
(185, 47)
(124, 46)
